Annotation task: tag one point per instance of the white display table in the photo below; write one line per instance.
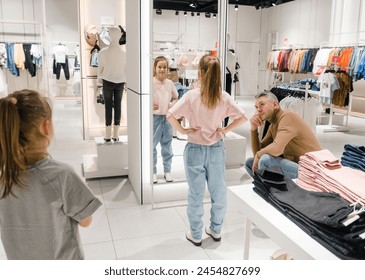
(235, 146)
(279, 228)
(111, 159)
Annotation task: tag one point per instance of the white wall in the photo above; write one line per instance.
(245, 28)
(196, 32)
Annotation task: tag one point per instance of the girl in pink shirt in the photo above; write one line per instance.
(205, 108)
(164, 96)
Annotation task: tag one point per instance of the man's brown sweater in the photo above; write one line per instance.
(288, 135)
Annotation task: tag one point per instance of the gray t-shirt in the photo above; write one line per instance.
(41, 222)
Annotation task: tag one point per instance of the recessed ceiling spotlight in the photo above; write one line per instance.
(236, 7)
(192, 14)
(176, 13)
(198, 14)
(158, 12)
(185, 14)
(214, 15)
(207, 15)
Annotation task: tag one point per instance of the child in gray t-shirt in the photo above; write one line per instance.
(42, 201)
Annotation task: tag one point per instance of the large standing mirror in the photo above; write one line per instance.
(183, 31)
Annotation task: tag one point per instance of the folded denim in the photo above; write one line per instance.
(321, 223)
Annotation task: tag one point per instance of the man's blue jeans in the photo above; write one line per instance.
(289, 168)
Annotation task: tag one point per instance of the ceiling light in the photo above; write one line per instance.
(207, 15)
(185, 14)
(176, 13)
(158, 12)
(198, 14)
(214, 15)
(192, 14)
(193, 4)
(236, 7)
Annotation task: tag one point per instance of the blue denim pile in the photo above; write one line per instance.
(354, 157)
(319, 214)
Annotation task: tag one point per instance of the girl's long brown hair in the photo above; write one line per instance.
(20, 116)
(210, 81)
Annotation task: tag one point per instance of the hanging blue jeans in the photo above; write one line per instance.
(162, 133)
(289, 168)
(205, 164)
(10, 59)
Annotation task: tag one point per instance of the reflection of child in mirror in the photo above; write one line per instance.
(164, 97)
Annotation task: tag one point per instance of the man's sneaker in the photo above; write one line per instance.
(196, 242)
(216, 236)
(168, 177)
(155, 178)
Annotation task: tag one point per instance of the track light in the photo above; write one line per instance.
(193, 4)
(198, 14)
(236, 7)
(176, 13)
(207, 15)
(158, 12)
(214, 15)
(185, 14)
(192, 14)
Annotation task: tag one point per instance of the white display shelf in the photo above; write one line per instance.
(110, 160)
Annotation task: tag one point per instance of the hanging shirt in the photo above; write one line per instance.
(328, 83)
(60, 53)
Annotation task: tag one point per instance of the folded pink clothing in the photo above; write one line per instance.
(324, 158)
(347, 182)
(351, 179)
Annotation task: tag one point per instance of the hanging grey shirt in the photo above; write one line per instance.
(41, 222)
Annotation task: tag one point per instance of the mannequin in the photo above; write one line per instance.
(112, 78)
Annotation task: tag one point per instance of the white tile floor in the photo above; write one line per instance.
(123, 229)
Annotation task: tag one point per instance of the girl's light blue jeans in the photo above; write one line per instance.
(289, 168)
(205, 164)
(162, 133)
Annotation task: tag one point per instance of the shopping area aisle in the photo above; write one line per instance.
(123, 229)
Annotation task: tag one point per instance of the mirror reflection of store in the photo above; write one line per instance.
(111, 157)
(189, 34)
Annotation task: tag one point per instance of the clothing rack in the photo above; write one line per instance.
(331, 127)
(20, 42)
(37, 34)
(302, 88)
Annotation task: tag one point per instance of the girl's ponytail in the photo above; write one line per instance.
(211, 82)
(12, 158)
